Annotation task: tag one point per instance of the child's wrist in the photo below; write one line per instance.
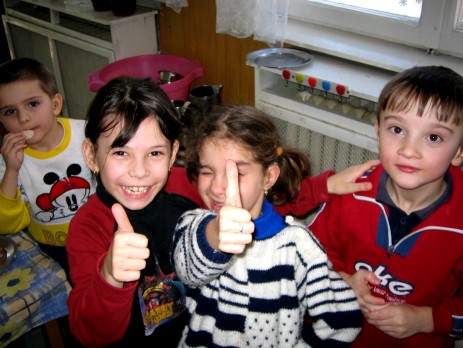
(212, 234)
(107, 276)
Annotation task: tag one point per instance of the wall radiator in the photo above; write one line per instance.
(324, 152)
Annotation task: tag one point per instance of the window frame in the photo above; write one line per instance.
(434, 32)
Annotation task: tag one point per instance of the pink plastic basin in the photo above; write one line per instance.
(148, 66)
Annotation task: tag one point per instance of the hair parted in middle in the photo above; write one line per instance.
(128, 101)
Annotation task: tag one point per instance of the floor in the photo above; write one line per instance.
(32, 339)
(36, 338)
(54, 334)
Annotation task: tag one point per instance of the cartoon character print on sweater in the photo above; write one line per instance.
(161, 299)
(66, 195)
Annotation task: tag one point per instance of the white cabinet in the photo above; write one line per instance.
(73, 40)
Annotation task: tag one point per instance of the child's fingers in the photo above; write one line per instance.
(232, 194)
(125, 227)
(369, 165)
(122, 220)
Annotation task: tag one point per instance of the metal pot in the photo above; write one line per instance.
(166, 77)
(204, 97)
(7, 252)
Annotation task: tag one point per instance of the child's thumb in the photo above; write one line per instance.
(232, 193)
(122, 220)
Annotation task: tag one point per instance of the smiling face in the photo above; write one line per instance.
(417, 151)
(24, 105)
(212, 178)
(134, 173)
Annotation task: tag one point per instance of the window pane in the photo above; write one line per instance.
(405, 9)
(459, 16)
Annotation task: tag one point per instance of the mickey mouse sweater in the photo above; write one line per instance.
(52, 186)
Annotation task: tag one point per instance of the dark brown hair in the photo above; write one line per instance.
(437, 87)
(28, 69)
(129, 101)
(254, 130)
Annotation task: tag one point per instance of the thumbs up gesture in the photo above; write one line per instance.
(127, 254)
(234, 225)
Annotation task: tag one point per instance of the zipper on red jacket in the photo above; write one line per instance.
(390, 250)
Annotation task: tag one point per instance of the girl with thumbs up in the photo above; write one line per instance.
(252, 277)
(124, 288)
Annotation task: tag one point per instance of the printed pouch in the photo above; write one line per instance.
(161, 299)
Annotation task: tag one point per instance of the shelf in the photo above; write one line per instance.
(78, 10)
(361, 81)
(348, 117)
(73, 40)
(124, 35)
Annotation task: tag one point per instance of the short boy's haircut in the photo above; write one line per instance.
(28, 69)
(437, 87)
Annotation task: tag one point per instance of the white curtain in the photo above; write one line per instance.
(176, 5)
(265, 19)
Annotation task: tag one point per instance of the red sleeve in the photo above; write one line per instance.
(99, 313)
(178, 183)
(313, 192)
(447, 313)
(325, 226)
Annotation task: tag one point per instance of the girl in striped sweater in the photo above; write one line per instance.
(251, 277)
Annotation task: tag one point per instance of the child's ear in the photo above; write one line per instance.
(457, 160)
(377, 128)
(57, 104)
(89, 154)
(175, 147)
(273, 172)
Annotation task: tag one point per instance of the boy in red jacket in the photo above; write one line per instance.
(400, 245)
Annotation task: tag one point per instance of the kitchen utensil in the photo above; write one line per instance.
(204, 97)
(147, 66)
(181, 106)
(166, 76)
(101, 5)
(278, 58)
(7, 252)
(123, 8)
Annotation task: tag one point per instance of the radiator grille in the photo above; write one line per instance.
(323, 151)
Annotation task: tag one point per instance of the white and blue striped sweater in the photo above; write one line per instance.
(259, 298)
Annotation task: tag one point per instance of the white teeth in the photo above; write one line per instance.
(29, 134)
(135, 190)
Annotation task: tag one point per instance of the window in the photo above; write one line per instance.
(400, 9)
(429, 24)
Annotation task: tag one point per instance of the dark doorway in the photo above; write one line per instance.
(4, 52)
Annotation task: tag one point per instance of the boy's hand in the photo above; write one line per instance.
(344, 182)
(13, 150)
(127, 254)
(401, 320)
(234, 223)
(359, 283)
